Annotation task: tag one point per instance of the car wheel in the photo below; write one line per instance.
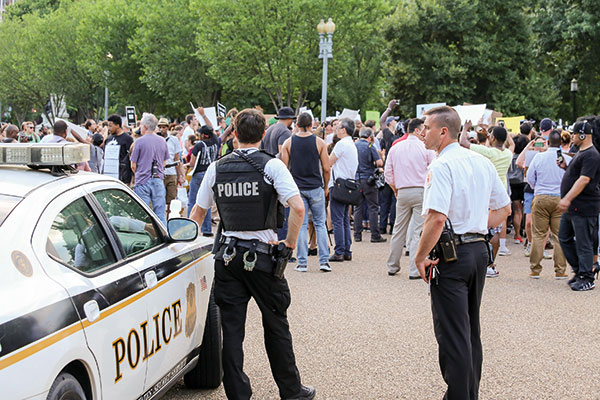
(66, 387)
(208, 373)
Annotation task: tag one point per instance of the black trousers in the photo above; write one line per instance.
(233, 288)
(370, 194)
(578, 237)
(455, 302)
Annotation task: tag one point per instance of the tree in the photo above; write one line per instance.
(263, 46)
(465, 51)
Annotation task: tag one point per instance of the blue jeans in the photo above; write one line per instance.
(315, 201)
(153, 193)
(341, 227)
(194, 186)
(578, 237)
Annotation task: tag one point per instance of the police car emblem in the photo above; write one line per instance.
(190, 313)
(22, 263)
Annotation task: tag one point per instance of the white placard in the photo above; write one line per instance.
(422, 108)
(81, 131)
(111, 159)
(210, 112)
(306, 110)
(473, 113)
(352, 114)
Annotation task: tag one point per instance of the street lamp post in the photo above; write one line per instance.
(325, 46)
(109, 56)
(574, 89)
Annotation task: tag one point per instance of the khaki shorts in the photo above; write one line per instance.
(171, 188)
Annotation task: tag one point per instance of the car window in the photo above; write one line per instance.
(78, 240)
(134, 226)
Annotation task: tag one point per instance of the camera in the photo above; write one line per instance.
(23, 138)
(377, 179)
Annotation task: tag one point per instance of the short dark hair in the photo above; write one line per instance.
(116, 120)
(206, 131)
(304, 120)
(500, 134)
(220, 119)
(189, 118)
(250, 125)
(526, 128)
(11, 131)
(60, 128)
(97, 139)
(446, 116)
(370, 123)
(554, 138)
(414, 124)
(88, 123)
(348, 125)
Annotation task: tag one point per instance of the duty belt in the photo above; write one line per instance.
(250, 257)
(469, 238)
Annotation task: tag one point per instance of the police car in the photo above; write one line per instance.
(98, 300)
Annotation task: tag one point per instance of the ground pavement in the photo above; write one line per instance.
(361, 334)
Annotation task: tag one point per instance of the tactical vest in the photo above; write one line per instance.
(245, 200)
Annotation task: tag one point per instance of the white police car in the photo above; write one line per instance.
(97, 300)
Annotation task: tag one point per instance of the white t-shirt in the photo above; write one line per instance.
(329, 138)
(347, 160)
(464, 186)
(186, 132)
(282, 180)
(174, 147)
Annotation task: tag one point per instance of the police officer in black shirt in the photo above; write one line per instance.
(249, 188)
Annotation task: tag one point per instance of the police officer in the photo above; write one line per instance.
(464, 189)
(249, 188)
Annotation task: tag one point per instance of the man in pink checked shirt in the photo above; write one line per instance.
(406, 172)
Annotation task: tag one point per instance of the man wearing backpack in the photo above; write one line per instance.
(516, 180)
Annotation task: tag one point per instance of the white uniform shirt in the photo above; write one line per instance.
(282, 180)
(463, 186)
(174, 148)
(347, 160)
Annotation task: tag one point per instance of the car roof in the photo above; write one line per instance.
(21, 180)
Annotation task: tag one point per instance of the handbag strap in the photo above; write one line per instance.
(255, 165)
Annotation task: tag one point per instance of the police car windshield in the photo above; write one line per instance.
(7, 204)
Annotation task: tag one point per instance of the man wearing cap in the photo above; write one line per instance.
(279, 132)
(580, 204)
(173, 174)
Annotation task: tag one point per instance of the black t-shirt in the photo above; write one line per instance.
(125, 141)
(387, 140)
(206, 152)
(585, 163)
(521, 141)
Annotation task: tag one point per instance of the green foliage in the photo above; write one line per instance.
(465, 51)
(24, 7)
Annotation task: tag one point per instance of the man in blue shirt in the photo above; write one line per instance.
(545, 176)
(368, 160)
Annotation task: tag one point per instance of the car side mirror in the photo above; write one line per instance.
(182, 229)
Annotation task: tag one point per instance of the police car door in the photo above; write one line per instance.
(177, 294)
(76, 247)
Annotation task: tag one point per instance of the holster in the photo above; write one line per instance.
(445, 248)
(281, 257)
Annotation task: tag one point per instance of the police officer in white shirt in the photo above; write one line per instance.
(250, 188)
(463, 189)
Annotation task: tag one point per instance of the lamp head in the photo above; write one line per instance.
(574, 86)
(321, 27)
(329, 27)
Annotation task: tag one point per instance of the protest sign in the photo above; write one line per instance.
(513, 124)
(130, 115)
(81, 131)
(422, 108)
(473, 113)
(221, 110)
(306, 110)
(210, 112)
(347, 113)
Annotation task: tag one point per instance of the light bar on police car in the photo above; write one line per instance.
(50, 154)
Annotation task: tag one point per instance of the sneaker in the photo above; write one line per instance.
(293, 260)
(301, 268)
(527, 252)
(518, 240)
(378, 240)
(357, 238)
(534, 275)
(313, 252)
(547, 255)
(582, 285)
(503, 251)
(559, 276)
(491, 272)
(549, 245)
(306, 393)
(325, 267)
(572, 280)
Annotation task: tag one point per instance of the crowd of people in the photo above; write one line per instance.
(553, 206)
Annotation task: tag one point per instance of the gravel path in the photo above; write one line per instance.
(360, 334)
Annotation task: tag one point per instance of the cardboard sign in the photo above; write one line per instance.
(306, 110)
(352, 114)
(211, 114)
(473, 113)
(130, 115)
(513, 124)
(422, 108)
(81, 131)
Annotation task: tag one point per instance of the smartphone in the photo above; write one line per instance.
(559, 156)
(538, 144)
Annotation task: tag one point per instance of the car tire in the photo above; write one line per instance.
(208, 373)
(66, 387)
